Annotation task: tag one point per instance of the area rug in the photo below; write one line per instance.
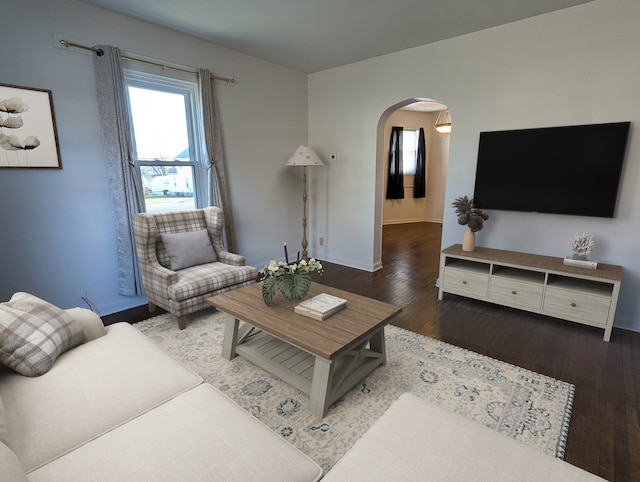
(524, 405)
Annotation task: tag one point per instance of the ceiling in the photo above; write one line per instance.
(314, 35)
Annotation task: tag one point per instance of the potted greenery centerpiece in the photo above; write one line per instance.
(470, 216)
(293, 280)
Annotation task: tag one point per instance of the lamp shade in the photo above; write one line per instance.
(304, 156)
(443, 122)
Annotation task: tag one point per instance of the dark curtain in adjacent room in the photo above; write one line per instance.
(420, 185)
(395, 180)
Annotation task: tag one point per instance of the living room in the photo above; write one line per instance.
(573, 66)
(516, 84)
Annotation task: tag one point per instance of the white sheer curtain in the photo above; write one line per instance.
(126, 191)
(218, 188)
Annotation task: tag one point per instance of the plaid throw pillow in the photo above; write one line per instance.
(33, 333)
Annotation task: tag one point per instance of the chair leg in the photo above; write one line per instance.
(182, 322)
(152, 307)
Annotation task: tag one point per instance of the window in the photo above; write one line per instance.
(166, 139)
(409, 150)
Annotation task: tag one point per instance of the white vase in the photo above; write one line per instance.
(469, 240)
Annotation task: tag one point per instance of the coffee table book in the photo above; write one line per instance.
(321, 306)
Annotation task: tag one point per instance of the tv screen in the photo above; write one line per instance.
(559, 170)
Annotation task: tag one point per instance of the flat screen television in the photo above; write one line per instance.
(572, 170)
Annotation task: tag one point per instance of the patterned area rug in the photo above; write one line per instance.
(527, 406)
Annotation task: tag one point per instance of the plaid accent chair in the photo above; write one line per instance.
(183, 291)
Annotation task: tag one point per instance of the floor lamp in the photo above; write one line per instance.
(304, 156)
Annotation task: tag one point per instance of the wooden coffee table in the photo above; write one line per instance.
(323, 359)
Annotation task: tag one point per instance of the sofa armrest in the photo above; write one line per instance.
(90, 321)
(157, 280)
(231, 258)
(161, 275)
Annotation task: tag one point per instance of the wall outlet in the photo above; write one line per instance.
(321, 241)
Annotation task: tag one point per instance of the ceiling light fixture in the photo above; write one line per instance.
(443, 122)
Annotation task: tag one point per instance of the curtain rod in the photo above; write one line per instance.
(100, 53)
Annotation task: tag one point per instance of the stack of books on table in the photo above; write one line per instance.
(321, 306)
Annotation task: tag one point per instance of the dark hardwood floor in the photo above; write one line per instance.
(604, 434)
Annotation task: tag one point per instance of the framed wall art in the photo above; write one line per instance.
(28, 136)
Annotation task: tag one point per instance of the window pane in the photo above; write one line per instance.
(167, 188)
(409, 150)
(159, 124)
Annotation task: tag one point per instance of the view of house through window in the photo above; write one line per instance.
(165, 133)
(409, 150)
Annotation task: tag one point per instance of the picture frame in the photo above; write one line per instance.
(28, 134)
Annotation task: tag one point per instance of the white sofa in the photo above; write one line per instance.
(117, 408)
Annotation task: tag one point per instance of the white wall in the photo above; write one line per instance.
(574, 66)
(410, 209)
(57, 238)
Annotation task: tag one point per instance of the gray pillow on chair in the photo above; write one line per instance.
(188, 249)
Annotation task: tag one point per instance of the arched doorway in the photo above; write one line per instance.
(437, 195)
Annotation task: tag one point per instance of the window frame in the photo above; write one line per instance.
(189, 90)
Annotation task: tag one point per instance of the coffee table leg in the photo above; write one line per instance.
(230, 338)
(320, 386)
(377, 344)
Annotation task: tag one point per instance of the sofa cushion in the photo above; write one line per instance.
(88, 391)
(10, 467)
(417, 440)
(200, 435)
(188, 249)
(206, 278)
(33, 333)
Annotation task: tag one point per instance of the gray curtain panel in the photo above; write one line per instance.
(218, 188)
(125, 186)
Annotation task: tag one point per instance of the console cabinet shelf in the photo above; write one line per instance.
(531, 282)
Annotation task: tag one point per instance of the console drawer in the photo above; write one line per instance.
(516, 293)
(466, 283)
(588, 308)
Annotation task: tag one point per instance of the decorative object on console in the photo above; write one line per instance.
(470, 216)
(292, 279)
(304, 156)
(443, 122)
(582, 244)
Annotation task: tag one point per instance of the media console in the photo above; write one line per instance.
(531, 282)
